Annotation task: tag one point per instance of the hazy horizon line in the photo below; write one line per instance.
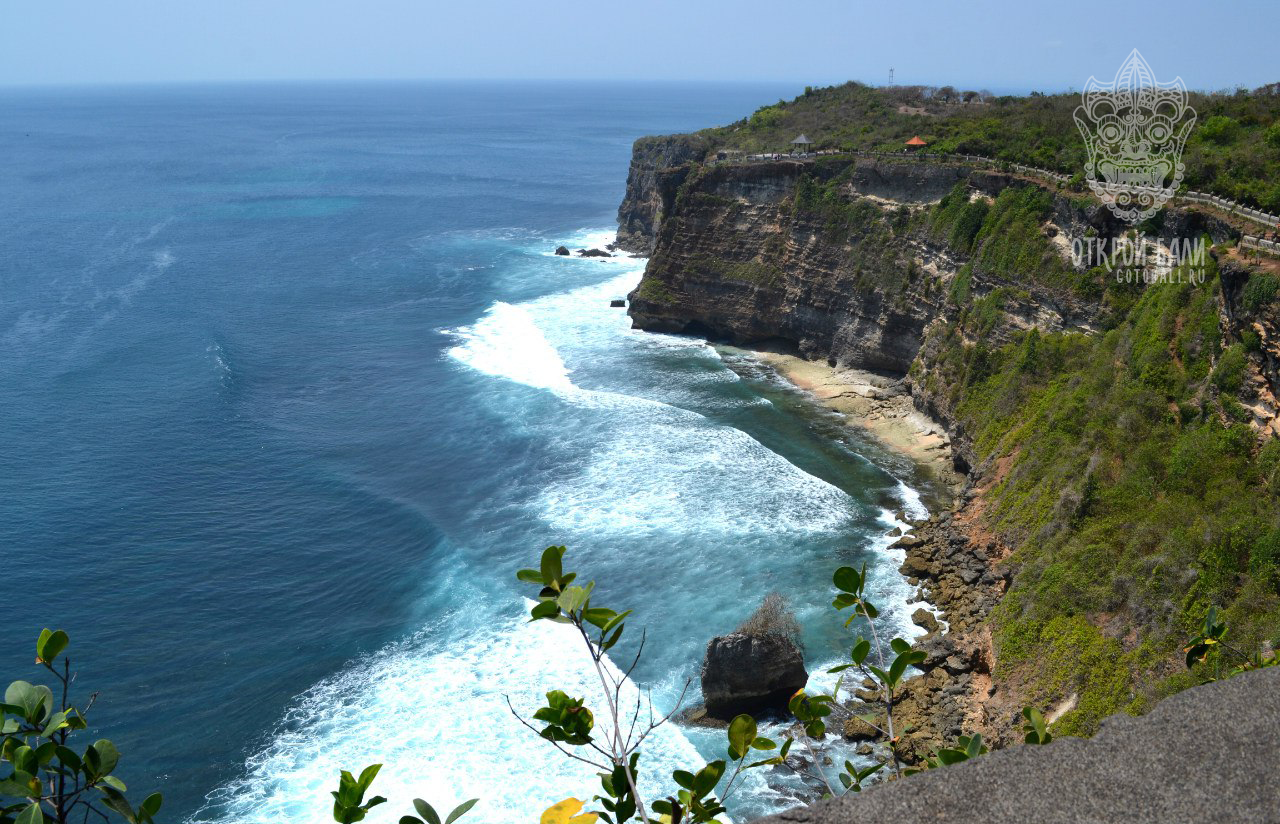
(1017, 91)
(265, 81)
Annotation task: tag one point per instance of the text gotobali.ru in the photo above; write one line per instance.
(1182, 260)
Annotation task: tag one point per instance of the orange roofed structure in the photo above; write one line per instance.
(916, 142)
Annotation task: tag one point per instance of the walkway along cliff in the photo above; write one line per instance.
(1062, 386)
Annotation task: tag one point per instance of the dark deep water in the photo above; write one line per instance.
(291, 386)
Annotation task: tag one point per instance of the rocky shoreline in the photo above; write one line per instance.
(960, 574)
(953, 695)
(956, 568)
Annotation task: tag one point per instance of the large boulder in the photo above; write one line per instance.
(748, 673)
(855, 729)
(925, 619)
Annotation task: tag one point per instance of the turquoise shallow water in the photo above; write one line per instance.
(293, 384)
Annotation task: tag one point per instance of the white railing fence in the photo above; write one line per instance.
(1257, 215)
(1230, 206)
(1251, 242)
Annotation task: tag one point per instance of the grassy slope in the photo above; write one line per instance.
(1135, 493)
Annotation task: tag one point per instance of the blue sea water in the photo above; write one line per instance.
(291, 384)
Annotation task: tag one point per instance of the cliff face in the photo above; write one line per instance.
(655, 163)
(739, 257)
(733, 261)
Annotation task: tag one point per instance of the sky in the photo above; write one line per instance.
(998, 45)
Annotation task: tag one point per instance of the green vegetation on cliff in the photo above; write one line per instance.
(1134, 495)
(1234, 151)
(1004, 237)
(1126, 469)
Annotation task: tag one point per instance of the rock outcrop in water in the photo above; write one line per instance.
(748, 673)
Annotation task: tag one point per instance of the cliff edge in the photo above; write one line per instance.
(652, 160)
(1208, 754)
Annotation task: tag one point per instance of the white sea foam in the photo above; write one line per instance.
(912, 504)
(87, 292)
(436, 717)
(652, 464)
(507, 343)
(591, 239)
(666, 473)
(221, 367)
(890, 591)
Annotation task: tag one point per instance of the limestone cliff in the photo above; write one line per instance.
(653, 161)
(736, 256)
(857, 283)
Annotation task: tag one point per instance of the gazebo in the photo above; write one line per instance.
(802, 145)
(915, 143)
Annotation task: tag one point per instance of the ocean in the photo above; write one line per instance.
(292, 384)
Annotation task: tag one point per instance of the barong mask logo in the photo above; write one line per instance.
(1135, 128)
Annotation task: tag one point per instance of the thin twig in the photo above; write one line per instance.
(888, 690)
(653, 725)
(620, 756)
(818, 766)
(617, 690)
(635, 716)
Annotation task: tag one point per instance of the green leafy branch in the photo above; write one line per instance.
(888, 675)
(349, 805)
(614, 747)
(47, 778)
(1210, 644)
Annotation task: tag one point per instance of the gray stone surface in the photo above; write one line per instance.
(1209, 754)
(747, 673)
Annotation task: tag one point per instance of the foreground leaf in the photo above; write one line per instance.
(565, 812)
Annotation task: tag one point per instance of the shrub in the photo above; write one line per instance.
(48, 779)
(1259, 291)
(1264, 559)
(772, 617)
(1228, 375)
(1250, 340)
(1272, 135)
(1220, 129)
(969, 224)
(350, 806)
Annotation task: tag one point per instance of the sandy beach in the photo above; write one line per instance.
(877, 405)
